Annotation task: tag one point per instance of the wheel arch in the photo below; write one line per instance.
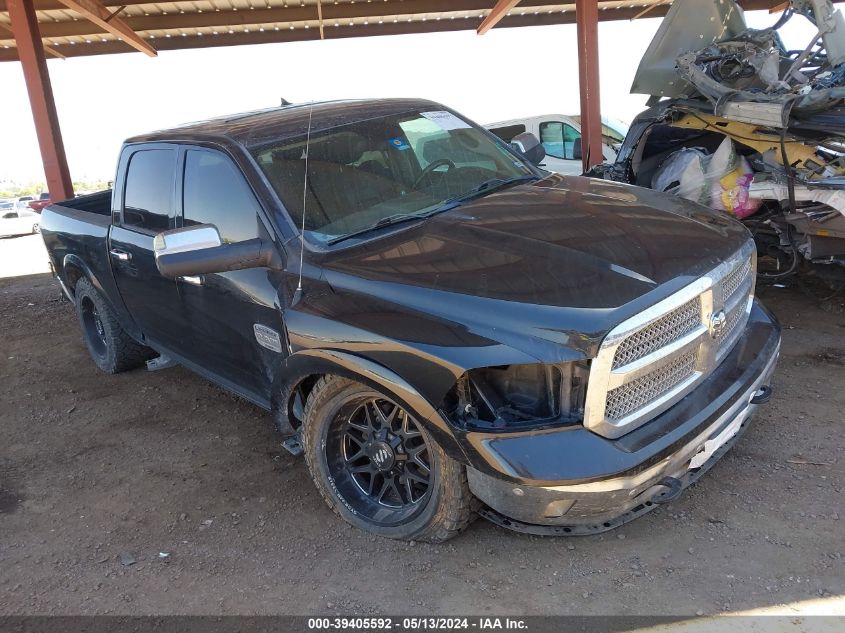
(302, 370)
(74, 268)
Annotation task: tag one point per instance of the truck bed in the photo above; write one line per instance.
(76, 233)
(85, 215)
(96, 203)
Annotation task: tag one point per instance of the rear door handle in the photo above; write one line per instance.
(119, 255)
(191, 279)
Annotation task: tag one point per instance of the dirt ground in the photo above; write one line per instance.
(158, 493)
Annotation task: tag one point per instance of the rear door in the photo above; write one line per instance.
(144, 206)
(230, 312)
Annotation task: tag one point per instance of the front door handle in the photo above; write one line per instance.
(119, 255)
(195, 280)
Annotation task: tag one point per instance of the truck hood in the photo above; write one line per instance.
(561, 259)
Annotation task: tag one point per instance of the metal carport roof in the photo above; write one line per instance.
(207, 23)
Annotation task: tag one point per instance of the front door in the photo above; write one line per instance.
(146, 207)
(562, 143)
(236, 322)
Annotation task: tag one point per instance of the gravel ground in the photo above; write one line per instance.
(158, 493)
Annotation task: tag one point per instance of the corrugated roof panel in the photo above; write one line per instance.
(242, 20)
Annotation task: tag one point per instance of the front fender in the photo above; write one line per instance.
(309, 362)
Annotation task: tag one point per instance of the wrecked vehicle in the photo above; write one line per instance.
(741, 124)
(441, 327)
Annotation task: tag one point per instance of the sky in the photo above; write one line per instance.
(507, 73)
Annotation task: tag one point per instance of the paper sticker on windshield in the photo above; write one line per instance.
(445, 120)
(399, 143)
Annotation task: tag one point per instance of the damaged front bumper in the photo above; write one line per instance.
(660, 459)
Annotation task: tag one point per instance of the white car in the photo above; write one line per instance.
(17, 220)
(560, 135)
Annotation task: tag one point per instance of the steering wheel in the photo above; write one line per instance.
(431, 167)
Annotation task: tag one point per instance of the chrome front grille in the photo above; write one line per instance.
(659, 333)
(641, 391)
(652, 360)
(735, 279)
(733, 319)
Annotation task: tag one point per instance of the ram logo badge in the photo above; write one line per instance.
(717, 323)
(267, 337)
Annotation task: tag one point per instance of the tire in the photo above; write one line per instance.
(111, 348)
(334, 426)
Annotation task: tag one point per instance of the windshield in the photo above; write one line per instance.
(614, 130)
(368, 171)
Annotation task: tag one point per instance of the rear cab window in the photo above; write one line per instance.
(148, 193)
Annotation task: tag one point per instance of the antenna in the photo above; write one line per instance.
(297, 295)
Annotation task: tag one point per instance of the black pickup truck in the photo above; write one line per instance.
(441, 327)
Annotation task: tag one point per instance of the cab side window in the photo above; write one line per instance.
(215, 192)
(559, 140)
(148, 197)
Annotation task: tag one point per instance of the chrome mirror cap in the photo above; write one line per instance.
(189, 238)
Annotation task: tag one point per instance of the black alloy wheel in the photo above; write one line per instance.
(379, 468)
(111, 348)
(379, 459)
(93, 325)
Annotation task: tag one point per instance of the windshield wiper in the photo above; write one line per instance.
(488, 186)
(390, 220)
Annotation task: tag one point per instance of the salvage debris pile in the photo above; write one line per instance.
(749, 127)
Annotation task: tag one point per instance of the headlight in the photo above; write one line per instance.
(518, 396)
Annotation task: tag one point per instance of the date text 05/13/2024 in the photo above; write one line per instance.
(417, 624)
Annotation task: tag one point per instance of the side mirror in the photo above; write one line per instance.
(198, 250)
(576, 149)
(529, 146)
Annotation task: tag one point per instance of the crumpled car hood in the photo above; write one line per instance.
(703, 48)
(689, 25)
